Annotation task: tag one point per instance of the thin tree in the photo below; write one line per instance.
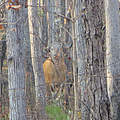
(16, 75)
(81, 59)
(67, 29)
(74, 60)
(51, 21)
(37, 60)
(113, 56)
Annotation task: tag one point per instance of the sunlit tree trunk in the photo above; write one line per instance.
(113, 56)
(37, 60)
(16, 75)
(29, 75)
(74, 60)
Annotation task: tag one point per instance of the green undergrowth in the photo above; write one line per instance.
(54, 112)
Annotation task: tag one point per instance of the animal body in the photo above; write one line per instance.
(50, 72)
(55, 74)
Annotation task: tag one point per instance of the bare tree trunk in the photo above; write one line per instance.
(37, 60)
(45, 25)
(96, 92)
(113, 56)
(68, 57)
(81, 59)
(29, 75)
(51, 20)
(62, 11)
(74, 61)
(16, 75)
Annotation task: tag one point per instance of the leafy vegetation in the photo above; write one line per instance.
(56, 113)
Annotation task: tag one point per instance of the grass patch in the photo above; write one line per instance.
(56, 113)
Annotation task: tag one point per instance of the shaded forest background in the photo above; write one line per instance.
(59, 60)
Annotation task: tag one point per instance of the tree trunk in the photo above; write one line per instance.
(68, 58)
(45, 28)
(74, 61)
(51, 20)
(81, 60)
(16, 75)
(95, 92)
(29, 75)
(113, 56)
(37, 60)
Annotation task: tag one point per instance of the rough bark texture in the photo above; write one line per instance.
(96, 88)
(44, 29)
(67, 49)
(51, 20)
(74, 53)
(29, 75)
(2, 36)
(81, 59)
(16, 75)
(37, 60)
(113, 56)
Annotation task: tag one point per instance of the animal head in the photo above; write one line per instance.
(13, 4)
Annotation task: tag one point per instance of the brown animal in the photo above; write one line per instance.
(50, 72)
(55, 74)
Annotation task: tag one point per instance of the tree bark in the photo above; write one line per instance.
(113, 56)
(67, 48)
(51, 20)
(37, 60)
(81, 60)
(44, 29)
(95, 92)
(74, 61)
(16, 74)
